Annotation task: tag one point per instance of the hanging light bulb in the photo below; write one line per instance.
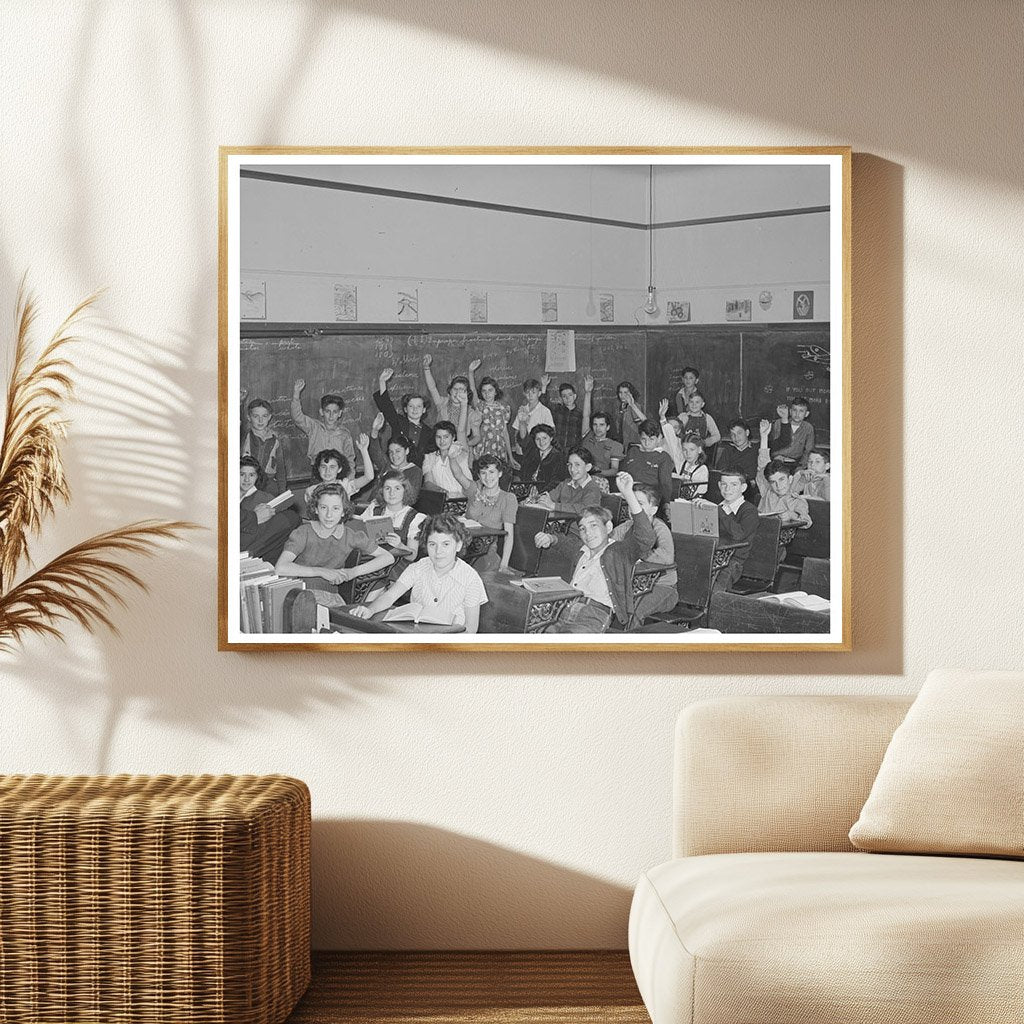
(651, 305)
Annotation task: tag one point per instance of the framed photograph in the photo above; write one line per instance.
(415, 471)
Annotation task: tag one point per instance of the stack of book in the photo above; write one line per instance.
(262, 593)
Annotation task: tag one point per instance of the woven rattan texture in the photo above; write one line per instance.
(144, 899)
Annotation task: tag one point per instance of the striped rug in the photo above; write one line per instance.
(472, 988)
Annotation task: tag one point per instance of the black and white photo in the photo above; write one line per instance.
(557, 398)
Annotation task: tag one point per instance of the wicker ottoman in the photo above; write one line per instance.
(130, 899)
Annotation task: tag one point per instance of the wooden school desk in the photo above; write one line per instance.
(303, 620)
(512, 609)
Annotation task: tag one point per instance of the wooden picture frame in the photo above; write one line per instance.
(306, 223)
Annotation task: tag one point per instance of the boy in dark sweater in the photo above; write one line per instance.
(649, 464)
(737, 521)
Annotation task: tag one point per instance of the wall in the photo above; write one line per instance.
(297, 242)
(464, 800)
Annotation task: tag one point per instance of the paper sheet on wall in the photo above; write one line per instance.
(561, 354)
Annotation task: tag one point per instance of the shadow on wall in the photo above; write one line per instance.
(885, 77)
(402, 885)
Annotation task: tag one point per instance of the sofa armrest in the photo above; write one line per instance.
(758, 774)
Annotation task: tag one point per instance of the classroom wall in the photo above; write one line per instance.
(468, 800)
(298, 242)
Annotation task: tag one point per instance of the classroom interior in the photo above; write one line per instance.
(643, 270)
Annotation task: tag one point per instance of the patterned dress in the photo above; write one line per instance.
(493, 431)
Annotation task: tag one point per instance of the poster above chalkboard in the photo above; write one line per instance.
(461, 393)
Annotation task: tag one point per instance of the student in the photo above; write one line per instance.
(738, 452)
(490, 506)
(649, 464)
(671, 435)
(318, 550)
(814, 480)
(693, 472)
(450, 408)
(532, 413)
(737, 521)
(691, 375)
(396, 454)
(409, 422)
(606, 451)
(437, 465)
(630, 415)
(494, 413)
(604, 571)
(326, 432)
(262, 530)
(393, 498)
(696, 421)
(792, 434)
(567, 418)
(330, 466)
(580, 490)
(265, 447)
(774, 477)
(442, 583)
(664, 594)
(543, 465)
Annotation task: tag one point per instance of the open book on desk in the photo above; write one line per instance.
(543, 584)
(799, 599)
(417, 613)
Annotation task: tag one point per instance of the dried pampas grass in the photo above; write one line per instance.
(83, 583)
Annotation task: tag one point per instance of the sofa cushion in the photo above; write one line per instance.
(950, 781)
(781, 938)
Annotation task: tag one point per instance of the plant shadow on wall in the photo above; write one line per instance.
(137, 456)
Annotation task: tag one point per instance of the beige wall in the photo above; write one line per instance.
(472, 800)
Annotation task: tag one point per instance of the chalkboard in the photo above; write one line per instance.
(348, 364)
(743, 371)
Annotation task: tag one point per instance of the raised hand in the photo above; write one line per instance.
(765, 427)
(363, 442)
(662, 408)
(386, 375)
(625, 482)
(427, 360)
(475, 365)
(588, 383)
(300, 386)
(545, 380)
(243, 394)
(378, 424)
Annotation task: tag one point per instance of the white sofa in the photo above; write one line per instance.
(768, 915)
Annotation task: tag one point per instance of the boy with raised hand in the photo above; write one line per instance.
(327, 432)
(567, 418)
(792, 433)
(604, 570)
(409, 423)
(774, 480)
(260, 442)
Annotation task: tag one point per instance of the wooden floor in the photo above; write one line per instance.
(467, 988)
